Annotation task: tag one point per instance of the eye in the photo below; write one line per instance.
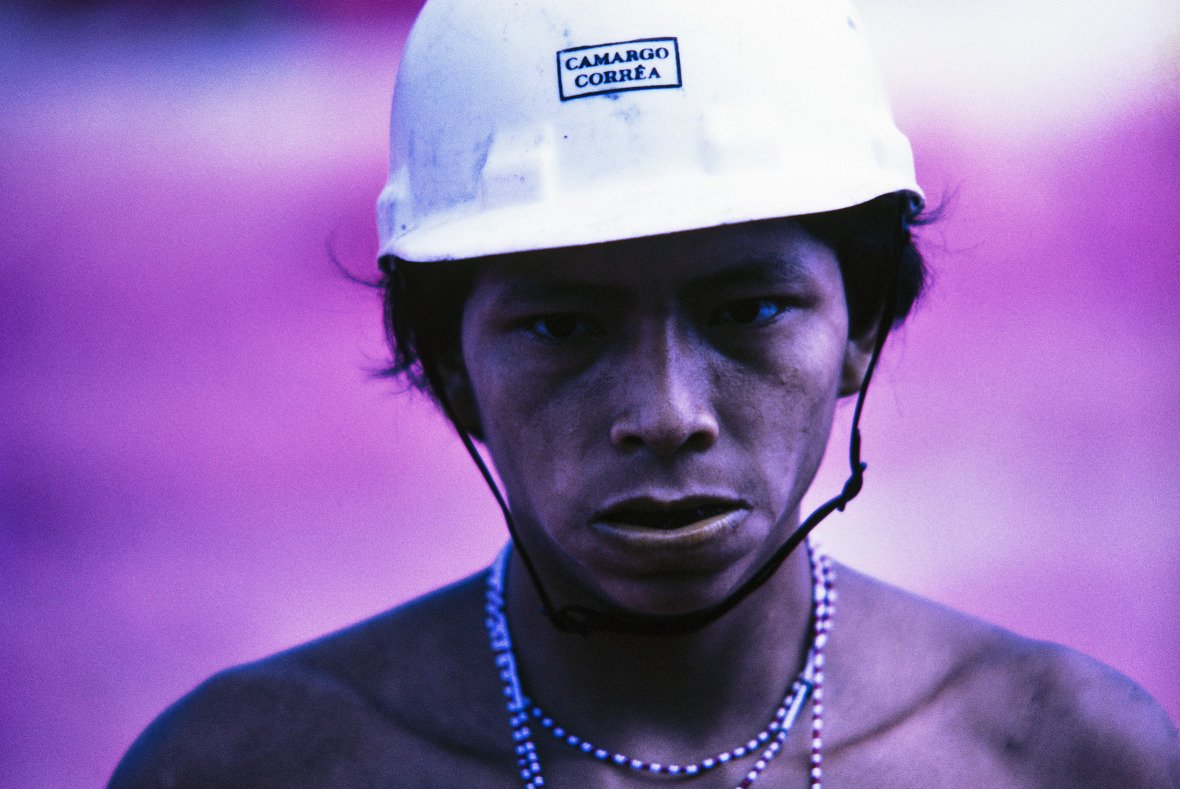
(555, 328)
(750, 312)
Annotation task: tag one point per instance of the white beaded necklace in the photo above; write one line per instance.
(810, 681)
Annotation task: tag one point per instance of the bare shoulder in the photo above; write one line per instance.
(987, 703)
(1085, 720)
(389, 698)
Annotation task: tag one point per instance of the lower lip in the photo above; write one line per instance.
(690, 536)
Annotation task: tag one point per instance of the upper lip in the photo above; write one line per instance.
(653, 505)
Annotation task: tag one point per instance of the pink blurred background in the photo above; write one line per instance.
(197, 470)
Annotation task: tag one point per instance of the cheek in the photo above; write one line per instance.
(824, 372)
(781, 409)
(540, 429)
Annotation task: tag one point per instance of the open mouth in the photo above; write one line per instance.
(668, 519)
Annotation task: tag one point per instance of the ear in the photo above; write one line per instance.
(461, 395)
(857, 354)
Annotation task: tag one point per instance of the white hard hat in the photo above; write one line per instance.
(537, 124)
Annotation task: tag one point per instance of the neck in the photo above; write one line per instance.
(685, 692)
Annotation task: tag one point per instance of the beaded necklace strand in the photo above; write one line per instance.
(810, 681)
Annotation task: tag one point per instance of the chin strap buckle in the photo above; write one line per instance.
(852, 486)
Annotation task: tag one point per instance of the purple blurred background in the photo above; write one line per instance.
(196, 468)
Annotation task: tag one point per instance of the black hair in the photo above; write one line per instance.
(873, 243)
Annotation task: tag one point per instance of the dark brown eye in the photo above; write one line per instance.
(750, 312)
(562, 327)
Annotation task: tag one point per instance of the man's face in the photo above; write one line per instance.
(656, 408)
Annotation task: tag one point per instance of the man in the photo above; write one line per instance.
(639, 249)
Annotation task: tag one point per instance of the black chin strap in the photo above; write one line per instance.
(584, 620)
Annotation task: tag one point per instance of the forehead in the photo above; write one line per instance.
(768, 250)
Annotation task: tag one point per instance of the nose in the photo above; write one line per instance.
(667, 399)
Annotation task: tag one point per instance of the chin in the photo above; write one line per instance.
(661, 579)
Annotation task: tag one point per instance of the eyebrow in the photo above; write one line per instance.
(525, 288)
(756, 271)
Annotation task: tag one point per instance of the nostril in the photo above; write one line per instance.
(626, 440)
(701, 440)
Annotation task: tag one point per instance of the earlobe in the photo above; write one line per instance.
(857, 354)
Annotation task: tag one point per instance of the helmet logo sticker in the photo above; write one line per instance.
(642, 64)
